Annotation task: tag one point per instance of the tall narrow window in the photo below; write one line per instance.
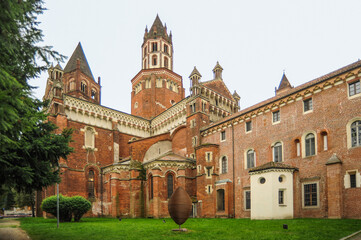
(325, 141)
(154, 60)
(310, 144)
(281, 197)
(352, 180)
(89, 137)
(223, 136)
(356, 134)
(94, 94)
(145, 51)
(170, 185)
(247, 200)
(220, 200)
(310, 195)
(277, 152)
(83, 87)
(72, 86)
(151, 187)
(91, 184)
(307, 105)
(224, 164)
(354, 88)
(165, 62)
(165, 48)
(298, 147)
(155, 47)
(250, 159)
(249, 126)
(276, 116)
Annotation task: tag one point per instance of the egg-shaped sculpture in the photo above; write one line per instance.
(180, 206)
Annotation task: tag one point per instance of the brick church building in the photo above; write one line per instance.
(297, 154)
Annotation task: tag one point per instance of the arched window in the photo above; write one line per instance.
(94, 94)
(154, 60)
(83, 87)
(356, 134)
(170, 185)
(91, 184)
(151, 186)
(165, 62)
(277, 152)
(145, 51)
(250, 158)
(224, 164)
(165, 48)
(145, 63)
(310, 144)
(89, 137)
(72, 86)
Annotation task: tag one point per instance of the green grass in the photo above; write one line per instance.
(108, 228)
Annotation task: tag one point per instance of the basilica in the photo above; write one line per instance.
(295, 155)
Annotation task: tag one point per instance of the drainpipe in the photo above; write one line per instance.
(234, 180)
(101, 191)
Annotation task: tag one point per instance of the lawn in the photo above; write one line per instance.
(110, 228)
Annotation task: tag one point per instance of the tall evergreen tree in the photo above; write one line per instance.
(29, 148)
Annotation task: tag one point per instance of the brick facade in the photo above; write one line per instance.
(204, 144)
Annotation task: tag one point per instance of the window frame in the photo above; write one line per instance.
(248, 126)
(310, 144)
(170, 191)
(280, 153)
(247, 201)
(357, 87)
(307, 103)
(223, 135)
(224, 165)
(317, 195)
(91, 184)
(253, 156)
(276, 113)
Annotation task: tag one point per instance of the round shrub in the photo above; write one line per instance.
(79, 207)
(49, 205)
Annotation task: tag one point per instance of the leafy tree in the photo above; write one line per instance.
(29, 148)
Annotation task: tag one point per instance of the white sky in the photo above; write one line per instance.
(254, 41)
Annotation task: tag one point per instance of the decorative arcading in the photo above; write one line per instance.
(102, 113)
(170, 119)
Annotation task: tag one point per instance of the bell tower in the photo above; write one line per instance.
(156, 87)
(157, 48)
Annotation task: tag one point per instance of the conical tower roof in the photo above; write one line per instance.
(284, 83)
(157, 30)
(84, 66)
(195, 72)
(217, 67)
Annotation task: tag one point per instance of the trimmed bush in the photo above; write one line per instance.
(49, 205)
(68, 206)
(79, 207)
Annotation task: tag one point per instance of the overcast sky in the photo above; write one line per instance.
(254, 41)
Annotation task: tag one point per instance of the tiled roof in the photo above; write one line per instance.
(84, 66)
(272, 165)
(218, 86)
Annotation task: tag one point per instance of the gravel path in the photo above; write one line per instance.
(10, 230)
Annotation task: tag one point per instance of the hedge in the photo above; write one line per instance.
(68, 206)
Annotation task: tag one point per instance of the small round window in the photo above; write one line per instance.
(281, 178)
(262, 180)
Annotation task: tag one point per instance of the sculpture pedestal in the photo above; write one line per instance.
(180, 230)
